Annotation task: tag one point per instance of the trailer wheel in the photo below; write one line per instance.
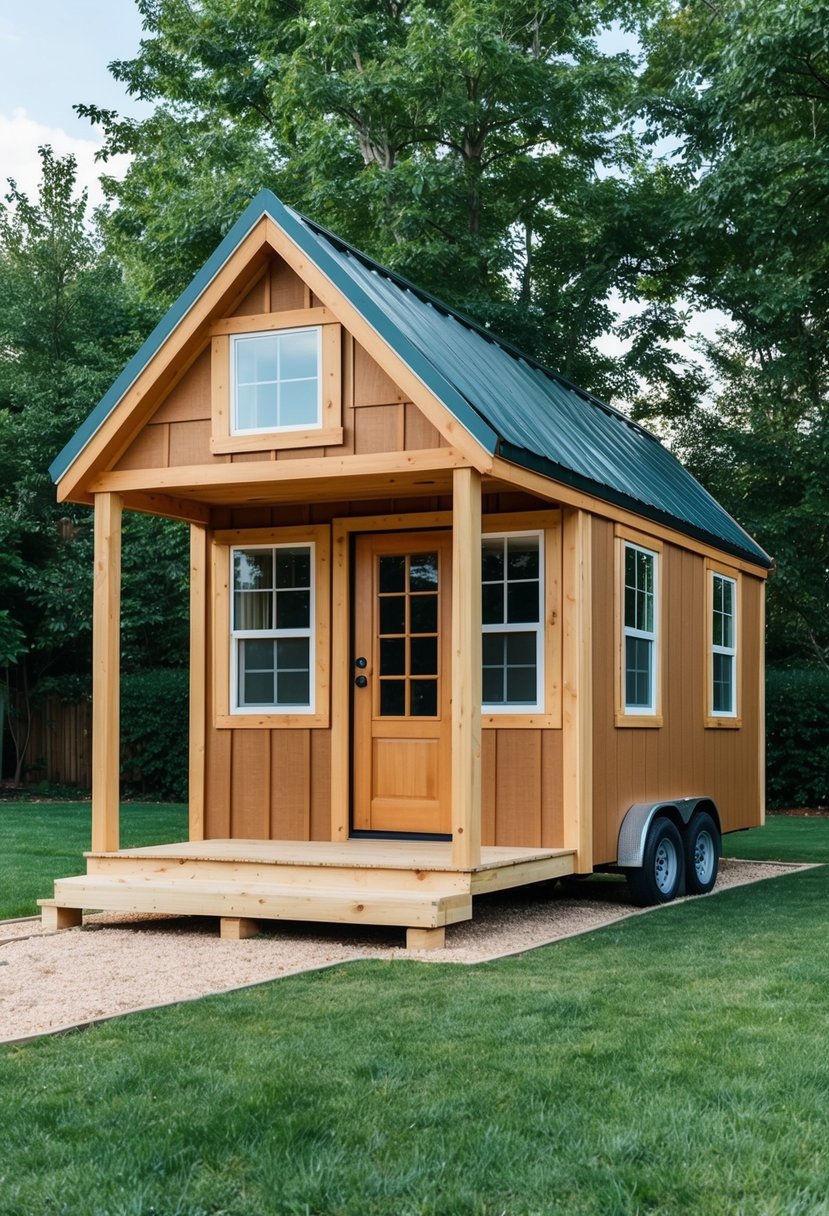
(702, 854)
(658, 879)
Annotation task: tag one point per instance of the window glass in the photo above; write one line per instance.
(272, 627)
(640, 616)
(276, 381)
(512, 614)
(723, 645)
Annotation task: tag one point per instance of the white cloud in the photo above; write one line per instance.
(20, 138)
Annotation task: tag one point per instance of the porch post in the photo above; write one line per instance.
(577, 686)
(198, 678)
(466, 668)
(106, 653)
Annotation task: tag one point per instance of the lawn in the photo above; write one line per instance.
(674, 1063)
(42, 841)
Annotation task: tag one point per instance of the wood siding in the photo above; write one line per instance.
(682, 757)
(377, 417)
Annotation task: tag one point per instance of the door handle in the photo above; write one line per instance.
(361, 681)
(361, 662)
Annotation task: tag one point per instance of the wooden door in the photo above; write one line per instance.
(402, 607)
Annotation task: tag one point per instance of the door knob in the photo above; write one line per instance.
(361, 681)
(361, 662)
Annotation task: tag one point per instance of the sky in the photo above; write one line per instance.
(54, 54)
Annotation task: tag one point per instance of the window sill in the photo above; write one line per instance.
(273, 721)
(533, 720)
(723, 723)
(276, 440)
(649, 721)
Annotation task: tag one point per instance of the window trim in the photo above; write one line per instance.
(548, 524)
(329, 432)
(628, 715)
(538, 628)
(226, 713)
(717, 719)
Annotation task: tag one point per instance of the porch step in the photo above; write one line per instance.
(262, 901)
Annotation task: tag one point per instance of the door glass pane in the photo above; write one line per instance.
(424, 698)
(423, 656)
(423, 611)
(393, 614)
(392, 573)
(393, 657)
(392, 698)
(423, 572)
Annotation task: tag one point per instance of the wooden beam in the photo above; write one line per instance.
(198, 678)
(106, 654)
(237, 928)
(340, 683)
(53, 918)
(577, 687)
(466, 669)
(167, 506)
(425, 939)
(555, 491)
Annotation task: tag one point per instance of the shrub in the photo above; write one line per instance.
(154, 733)
(797, 738)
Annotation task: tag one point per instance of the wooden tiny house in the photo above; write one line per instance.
(456, 625)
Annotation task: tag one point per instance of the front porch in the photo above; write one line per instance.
(410, 883)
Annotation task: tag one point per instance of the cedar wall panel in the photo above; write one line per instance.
(682, 757)
(521, 788)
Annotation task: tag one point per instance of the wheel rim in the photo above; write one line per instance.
(665, 866)
(704, 856)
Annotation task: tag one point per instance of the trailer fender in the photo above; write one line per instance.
(634, 830)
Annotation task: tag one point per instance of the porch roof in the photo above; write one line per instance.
(512, 405)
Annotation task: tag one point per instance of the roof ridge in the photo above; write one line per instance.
(463, 318)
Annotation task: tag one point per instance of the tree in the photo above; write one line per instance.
(475, 147)
(744, 89)
(67, 325)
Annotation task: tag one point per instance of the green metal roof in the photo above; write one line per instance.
(514, 407)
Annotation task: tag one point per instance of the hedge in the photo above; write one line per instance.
(797, 738)
(154, 733)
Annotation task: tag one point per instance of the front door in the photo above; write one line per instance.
(401, 683)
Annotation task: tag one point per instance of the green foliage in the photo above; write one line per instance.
(797, 738)
(154, 733)
(670, 1064)
(477, 148)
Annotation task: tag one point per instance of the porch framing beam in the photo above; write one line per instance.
(577, 686)
(106, 662)
(466, 668)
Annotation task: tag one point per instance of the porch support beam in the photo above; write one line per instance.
(198, 679)
(466, 668)
(106, 655)
(577, 686)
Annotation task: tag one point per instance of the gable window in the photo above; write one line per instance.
(275, 381)
(723, 639)
(512, 571)
(640, 618)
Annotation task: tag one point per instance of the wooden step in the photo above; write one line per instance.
(262, 901)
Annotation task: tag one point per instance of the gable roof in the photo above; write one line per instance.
(510, 404)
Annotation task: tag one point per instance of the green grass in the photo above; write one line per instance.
(674, 1063)
(40, 842)
(784, 838)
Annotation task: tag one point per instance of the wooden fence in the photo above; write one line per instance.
(60, 748)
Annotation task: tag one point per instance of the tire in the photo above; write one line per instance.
(702, 854)
(659, 879)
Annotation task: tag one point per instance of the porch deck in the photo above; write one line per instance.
(410, 883)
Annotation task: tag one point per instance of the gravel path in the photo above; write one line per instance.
(116, 964)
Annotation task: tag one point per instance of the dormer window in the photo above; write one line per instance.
(275, 381)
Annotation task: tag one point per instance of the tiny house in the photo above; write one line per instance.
(456, 625)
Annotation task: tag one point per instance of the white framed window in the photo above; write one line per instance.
(275, 381)
(640, 617)
(723, 666)
(272, 629)
(512, 575)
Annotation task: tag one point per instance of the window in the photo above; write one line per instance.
(272, 628)
(270, 607)
(512, 571)
(275, 381)
(723, 664)
(640, 620)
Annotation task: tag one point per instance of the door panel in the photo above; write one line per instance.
(401, 714)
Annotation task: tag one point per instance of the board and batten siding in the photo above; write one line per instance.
(681, 757)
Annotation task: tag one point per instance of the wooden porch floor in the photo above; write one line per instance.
(408, 883)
